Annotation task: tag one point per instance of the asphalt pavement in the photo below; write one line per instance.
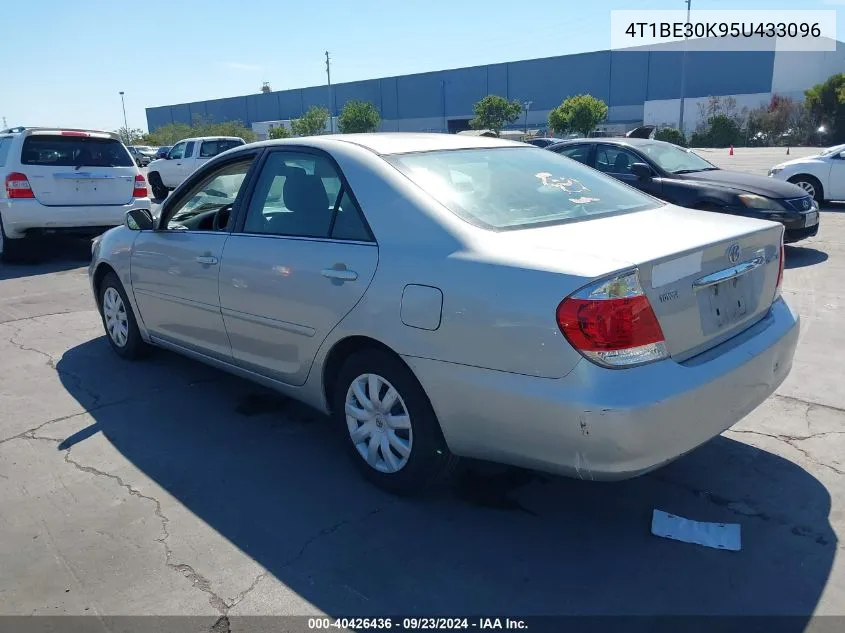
(166, 487)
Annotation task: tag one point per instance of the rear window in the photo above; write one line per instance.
(512, 188)
(74, 151)
(213, 148)
(5, 144)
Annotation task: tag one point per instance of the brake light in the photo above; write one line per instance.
(140, 190)
(780, 270)
(612, 323)
(17, 186)
(74, 133)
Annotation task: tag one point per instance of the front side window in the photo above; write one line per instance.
(189, 149)
(74, 151)
(215, 193)
(512, 188)
(302, 195)
(178, 151)
(615, 160)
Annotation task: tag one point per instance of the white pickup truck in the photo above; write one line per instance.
(168, 173)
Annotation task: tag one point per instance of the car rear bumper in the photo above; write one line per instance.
(606, 424)
(27, 217)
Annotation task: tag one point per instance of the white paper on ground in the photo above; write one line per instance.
(717, 535)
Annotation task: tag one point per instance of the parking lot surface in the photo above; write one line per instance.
(165, 487)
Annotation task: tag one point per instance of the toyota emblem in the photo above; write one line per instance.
(733, 253)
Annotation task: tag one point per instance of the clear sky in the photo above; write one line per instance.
(66, 61)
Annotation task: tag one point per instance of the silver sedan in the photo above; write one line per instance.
(443, 296)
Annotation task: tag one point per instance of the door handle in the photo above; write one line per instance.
(206, 259)
(342, 275)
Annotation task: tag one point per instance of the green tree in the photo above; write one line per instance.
(825, 103)
(581, 113)
(278, 132)
(671, 135)
(494, 112)
(131, 136)
(311, 123)
(201, 126)
(358, 116)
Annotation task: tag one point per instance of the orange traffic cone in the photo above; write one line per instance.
(731, 153)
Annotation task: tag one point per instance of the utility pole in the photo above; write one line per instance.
(684, 72)
(329, 76)
(526, 106)
(125, 125)
(4, 123)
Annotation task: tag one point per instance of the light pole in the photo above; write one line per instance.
(526, 106)
(329, 77)
(684, 71)
(125, 125)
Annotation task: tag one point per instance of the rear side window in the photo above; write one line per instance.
(5, 144)
(189, 149)
(213, 148)
(74, 151)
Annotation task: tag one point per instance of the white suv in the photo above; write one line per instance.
(63, 181)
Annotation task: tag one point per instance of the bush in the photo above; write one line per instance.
(357, 117)
(581, 113)
(719, 131)
(174, 132)
(278, 132)
(671, 135)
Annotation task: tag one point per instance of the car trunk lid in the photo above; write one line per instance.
(708, 276)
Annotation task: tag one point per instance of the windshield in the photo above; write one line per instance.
(74, 151)
(830, 151)
(511, 188)
(674, 159)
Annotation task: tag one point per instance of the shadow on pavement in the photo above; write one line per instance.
(272, 477)
(801, 256)
(50, 256)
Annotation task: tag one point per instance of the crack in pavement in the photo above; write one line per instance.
(791, 441)
(810, 404)
(51, 362)
(38, 316)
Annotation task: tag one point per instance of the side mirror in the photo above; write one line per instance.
(139, 220)
(841, 154)
(641, 171)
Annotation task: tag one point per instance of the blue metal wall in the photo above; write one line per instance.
(620, 78)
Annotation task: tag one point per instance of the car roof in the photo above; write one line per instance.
(211, 138)
(613, 140)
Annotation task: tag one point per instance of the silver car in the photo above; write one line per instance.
(443, 296)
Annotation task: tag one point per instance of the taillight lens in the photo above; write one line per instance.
(17, 186)
(140, 190)
(780, 270)
(612, 323)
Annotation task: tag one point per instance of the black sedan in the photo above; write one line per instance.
(682, 177)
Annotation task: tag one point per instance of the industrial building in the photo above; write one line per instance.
(640, 85)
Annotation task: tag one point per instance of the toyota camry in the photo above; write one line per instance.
(445, 296)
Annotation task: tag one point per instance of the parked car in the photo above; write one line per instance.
(63, 181)
(165, 174)
(822, 175)
(682, 177)
(142, 157)
(163, 151)
(543, 142)
(538, 313)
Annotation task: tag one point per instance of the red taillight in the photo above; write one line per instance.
(140, 190)
(17, 186)
(612, 323)
(74, 133)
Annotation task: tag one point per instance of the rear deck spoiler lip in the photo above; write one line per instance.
(28, 131)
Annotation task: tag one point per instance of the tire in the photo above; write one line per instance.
(159, 190)
(427, 462)
(20, 250)
(113, 299)
(811, 185)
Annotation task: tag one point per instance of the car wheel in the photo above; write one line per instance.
(811, 185)
(15, 250)
(159, 190)
(390, 427)
(119, 320)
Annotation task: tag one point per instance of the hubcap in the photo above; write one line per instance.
(378, 423)
(808, 187)
(114, 313)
